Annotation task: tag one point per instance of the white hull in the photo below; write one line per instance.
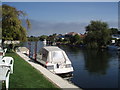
(56, 70)
(63, 70)
(55, 60)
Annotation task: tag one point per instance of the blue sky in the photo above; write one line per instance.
(62, 17)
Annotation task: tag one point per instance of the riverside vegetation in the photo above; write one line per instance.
(97, 35)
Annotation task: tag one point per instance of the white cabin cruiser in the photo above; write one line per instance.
(55, 60)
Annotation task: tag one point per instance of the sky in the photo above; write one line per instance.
(63, 17)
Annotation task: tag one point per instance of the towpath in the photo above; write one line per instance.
(60, 82)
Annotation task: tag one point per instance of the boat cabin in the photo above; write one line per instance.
(55, 59)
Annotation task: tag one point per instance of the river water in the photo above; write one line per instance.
(92, 68)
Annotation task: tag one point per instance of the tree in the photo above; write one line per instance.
(12, 28)
(114, 31)
(52, 37)
(75, 39)
(33, 38)
(41, 38)
(98, 34)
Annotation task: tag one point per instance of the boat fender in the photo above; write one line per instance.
(46, 62)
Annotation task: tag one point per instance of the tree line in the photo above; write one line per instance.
(97, 35)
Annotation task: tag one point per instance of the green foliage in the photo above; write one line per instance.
(52, 37)
(75, 39)
(41, 38)
(59, 40)
(97, 26)
(32, 38)
(98, 34)
(12, 28)
(114, 31)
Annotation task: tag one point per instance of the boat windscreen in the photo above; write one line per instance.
(44, 55)
(58, 57)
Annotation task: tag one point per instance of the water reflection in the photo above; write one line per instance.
(96, 62)
(119, 59)
(119, 68)
(92, 68)
(71, 49)
(67, 77)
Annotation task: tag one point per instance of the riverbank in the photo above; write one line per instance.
(91, 67)
(55, 79)
(25, 76)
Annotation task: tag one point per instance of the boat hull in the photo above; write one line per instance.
(62, 71)
(56, 70)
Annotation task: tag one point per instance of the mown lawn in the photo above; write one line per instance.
(25, 76)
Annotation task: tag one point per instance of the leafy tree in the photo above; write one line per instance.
(12, 28)
(32, 38)
(59, 40)
(52, 37)
(114, 31)
(98, 34)
(43, 37)
(75, 39)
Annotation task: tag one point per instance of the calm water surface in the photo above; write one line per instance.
(92, 68)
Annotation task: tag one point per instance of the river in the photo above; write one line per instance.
(92, 68)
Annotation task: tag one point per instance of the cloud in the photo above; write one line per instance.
(113, 24)
(39, 28)
(48, 28)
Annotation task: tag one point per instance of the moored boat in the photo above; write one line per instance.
(55, 60)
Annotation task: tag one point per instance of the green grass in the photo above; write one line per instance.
(25, 76)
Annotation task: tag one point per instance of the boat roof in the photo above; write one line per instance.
(52, 48)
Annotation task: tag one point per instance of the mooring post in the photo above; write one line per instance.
(29, 45)
(35, 50)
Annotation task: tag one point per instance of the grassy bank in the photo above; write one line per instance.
(25, 76)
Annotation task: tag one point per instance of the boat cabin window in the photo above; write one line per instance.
(58, 56)
(40, 52)
(50, 67)
(44, 55)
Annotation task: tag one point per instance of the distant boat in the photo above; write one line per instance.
(23, 50)
(44, 42)
(55, 60)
